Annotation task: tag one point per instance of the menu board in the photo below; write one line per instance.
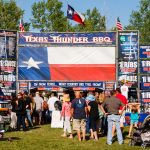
(144, 52)
(128, 45)
(110, 86)
(130, 80)
(8, 40)
(145, 66)
(145, 82)
(128, 49)
(144, 59)
(145, 96)
(128, 67)
(7, 44)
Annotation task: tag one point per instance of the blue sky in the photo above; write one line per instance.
(110, 8)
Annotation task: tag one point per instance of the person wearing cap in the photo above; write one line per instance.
(66, 115)
(93, 115)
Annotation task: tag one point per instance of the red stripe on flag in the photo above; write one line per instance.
(21, 26)
(119, 25)
(77, 18)
(86, 72)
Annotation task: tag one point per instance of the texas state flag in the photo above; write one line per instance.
(33, 63)
(74, 15)
(66, 63)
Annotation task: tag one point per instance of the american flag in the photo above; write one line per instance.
(119, 25)
(21, 26)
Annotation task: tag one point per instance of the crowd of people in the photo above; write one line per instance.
(91, 113)
(28, 110)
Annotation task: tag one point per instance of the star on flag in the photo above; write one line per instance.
(74, 15)
(32, 63)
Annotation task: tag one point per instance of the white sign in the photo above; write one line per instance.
(56, 122)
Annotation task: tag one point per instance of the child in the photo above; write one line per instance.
(134, 116)
(66, 115)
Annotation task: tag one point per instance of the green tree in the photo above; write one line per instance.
(140, 20)
(48, 16)
(93, 21)
(10, 15)
(26, 26)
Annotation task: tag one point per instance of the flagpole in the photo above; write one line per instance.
(105, 15)
(67, 26)
(106, 23)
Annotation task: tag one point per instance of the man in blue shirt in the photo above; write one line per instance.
(79, 113)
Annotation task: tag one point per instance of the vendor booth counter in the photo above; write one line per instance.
(4, 115)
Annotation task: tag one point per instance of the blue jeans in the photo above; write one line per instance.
(105, 125)
(87, 125)
(114, 119)
(21, 121)
(28, 111)
(50, 115)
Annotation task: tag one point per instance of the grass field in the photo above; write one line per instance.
(45, 138)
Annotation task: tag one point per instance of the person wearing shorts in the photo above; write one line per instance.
(135, 122)
(79, 124)
(134, 117)
(79, 113)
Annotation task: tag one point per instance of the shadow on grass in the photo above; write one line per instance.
(10, 139)
(102, 135)
(74, 134)
(125, 133)
(34, 127)
(87, 136)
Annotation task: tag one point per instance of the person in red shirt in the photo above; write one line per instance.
(125, 102)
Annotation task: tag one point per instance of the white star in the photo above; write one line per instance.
(70, 12)
(31, 63)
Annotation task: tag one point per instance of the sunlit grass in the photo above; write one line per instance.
(45, 138)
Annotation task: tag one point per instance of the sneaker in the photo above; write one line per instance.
(63, 135)
(25, 130)
(108, 143)
(2, 131)
(121, 143)
(70, 137)
(79, 140)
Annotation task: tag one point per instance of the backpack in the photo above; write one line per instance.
(45, 105)
(58, 105)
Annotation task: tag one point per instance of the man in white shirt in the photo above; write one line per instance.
(51, 103)
(39, 105)
(124, 90)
